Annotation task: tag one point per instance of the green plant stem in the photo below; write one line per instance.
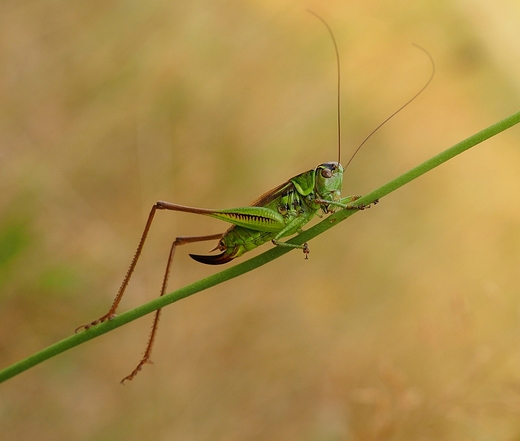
(257, 261)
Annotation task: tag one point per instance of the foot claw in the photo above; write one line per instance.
(136, 370)
(306, 250)
(365, 206)
(87, 326)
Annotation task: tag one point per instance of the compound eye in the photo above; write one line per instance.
(326, 173)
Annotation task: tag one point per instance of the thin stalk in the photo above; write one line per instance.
(255, 262)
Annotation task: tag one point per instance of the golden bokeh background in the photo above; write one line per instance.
(405, 321)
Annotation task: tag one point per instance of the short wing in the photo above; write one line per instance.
(272, 194)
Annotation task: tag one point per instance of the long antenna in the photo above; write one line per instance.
(339, 93)
(339, 81)
(400, 108)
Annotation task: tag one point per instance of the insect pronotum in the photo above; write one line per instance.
(278, 213)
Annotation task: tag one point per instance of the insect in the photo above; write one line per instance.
(278, 213)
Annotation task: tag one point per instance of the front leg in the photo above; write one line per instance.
(349, 199)
(345, 203)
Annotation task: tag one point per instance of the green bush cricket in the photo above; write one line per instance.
(278, 213)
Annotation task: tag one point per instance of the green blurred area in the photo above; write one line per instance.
(404, 322)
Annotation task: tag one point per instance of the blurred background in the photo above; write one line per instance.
(405, 321)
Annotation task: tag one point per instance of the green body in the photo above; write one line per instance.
(280, 212)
